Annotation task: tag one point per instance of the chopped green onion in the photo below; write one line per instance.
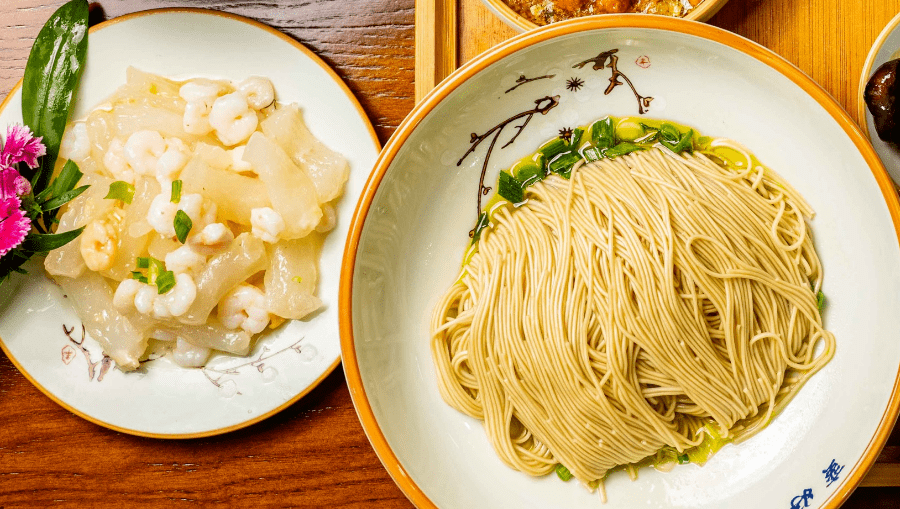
(683, 459)
(527, 173)
(509, 188)
(297, 279)
(621, 149)
(120, 190)
(480, 225)
(176, 192)
(820, 300)
(591, 154)
(553, 148)
(156, 268)
(668, 133)
(563, 472)
(563, 163)
(577, 134)
(183, 225)
(603, 133)
(139, 276)
(143, 263)
(165, 281)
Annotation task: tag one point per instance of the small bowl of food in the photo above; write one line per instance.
(879, 90)
(523, 15)
(626, 258)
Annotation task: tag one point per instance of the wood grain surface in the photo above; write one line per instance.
(315, 454)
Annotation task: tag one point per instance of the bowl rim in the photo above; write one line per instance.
(861, 110)
(639, 21)
(356, 104)
(706, 10)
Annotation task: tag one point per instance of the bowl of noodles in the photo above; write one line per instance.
(627, 260)
(524, 15)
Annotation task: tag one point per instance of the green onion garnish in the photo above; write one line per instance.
(176, 192)
(563, 472)
(120, 190)
(509, 188)
(603, 133)
(139, 276)
(480, 225)
(563, 163)
(143, 263)
(684, 459)
(820, 300)
(183, 225)
(621, 149)
(165, 281)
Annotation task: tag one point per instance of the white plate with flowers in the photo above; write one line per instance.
(149, 393)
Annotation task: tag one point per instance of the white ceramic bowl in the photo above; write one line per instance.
(162, 399)
(410, 232)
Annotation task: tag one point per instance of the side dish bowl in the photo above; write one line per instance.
(411, 228)
(704, 11)
(886, 47)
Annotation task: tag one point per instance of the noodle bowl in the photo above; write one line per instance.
(651, 303)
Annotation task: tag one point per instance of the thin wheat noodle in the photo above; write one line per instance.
(621, 310)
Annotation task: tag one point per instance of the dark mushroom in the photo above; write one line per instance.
(881, 95)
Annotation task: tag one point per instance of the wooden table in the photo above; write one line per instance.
(315, 454)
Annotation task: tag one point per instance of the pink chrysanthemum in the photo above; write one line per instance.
(14, 225)
(12, 184)
(21, 147)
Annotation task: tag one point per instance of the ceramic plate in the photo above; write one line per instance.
(162, 399)
(886, 47)
(411, 229)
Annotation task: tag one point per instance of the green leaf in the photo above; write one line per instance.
(621, 149)
(165, 281)
(120, 190)
(51, 78)
(669, 134)
(41, 243)
(509, 188)
(183, 225)
(563, 472)
(58, 201)
(683, 459)
(66, 181)
(603, 133)
(176, 192)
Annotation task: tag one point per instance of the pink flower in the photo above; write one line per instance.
(21, 146)
(14, 225)
(12, 184)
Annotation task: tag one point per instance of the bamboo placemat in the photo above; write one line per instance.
(827, 39)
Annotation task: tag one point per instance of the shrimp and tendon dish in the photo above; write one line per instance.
(207, 207)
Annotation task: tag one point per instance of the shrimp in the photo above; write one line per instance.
(260, 92)
(267, 224)
(232, 119)
(245, 308)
